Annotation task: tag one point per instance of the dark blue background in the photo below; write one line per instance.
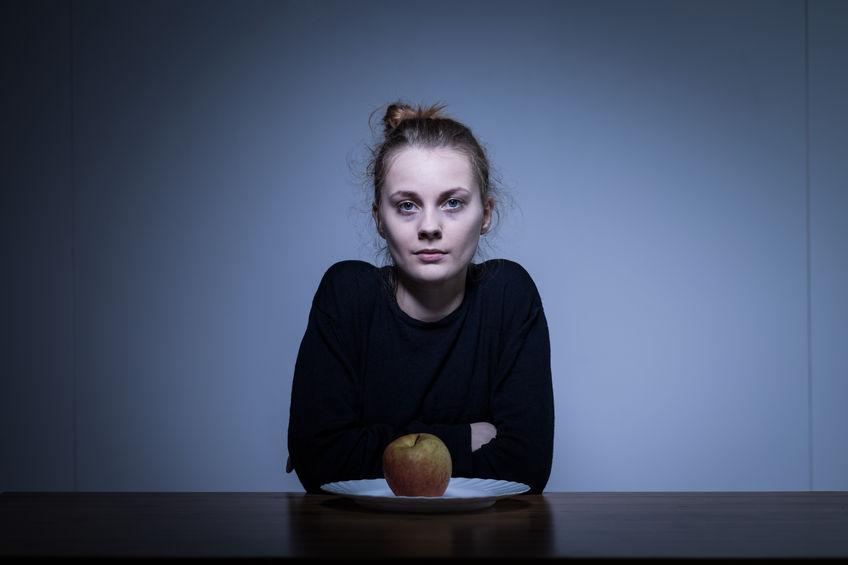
(177, 175)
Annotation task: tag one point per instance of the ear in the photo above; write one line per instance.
(375, 213)
(487, 216)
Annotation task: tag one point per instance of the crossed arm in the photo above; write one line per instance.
(481, 434)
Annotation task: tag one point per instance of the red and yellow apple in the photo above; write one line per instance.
(417, 465)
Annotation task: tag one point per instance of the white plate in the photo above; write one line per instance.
(462, 494)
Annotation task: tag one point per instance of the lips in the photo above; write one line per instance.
(430, 257)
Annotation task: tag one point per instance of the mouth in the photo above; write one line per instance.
(430, 257)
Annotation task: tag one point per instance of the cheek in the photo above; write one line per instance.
(472, 230)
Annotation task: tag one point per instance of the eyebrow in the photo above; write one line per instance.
(411, 194)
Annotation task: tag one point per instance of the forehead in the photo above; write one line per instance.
(428, 170)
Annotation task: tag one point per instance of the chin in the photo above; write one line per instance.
(436, 273)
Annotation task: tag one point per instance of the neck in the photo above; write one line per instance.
(430, 302)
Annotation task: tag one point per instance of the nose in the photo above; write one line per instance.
(429, 234)
(430, 228)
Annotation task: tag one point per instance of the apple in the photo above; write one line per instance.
(417, 465)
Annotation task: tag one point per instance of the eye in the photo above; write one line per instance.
(403, 210)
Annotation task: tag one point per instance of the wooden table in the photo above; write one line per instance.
(556, 524)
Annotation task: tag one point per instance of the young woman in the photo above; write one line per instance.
(431, 342)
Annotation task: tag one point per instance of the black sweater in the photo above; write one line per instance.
(367, 373)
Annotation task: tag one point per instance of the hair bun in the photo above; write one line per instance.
(398, 112)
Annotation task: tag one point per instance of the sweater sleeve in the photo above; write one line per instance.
(522, 405)
(327, 441)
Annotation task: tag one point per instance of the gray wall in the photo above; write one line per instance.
(177, 176)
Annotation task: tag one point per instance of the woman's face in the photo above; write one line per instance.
(430, 200)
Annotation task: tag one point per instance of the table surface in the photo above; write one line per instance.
(555, 524)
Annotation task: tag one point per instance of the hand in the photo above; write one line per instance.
(481, 434)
